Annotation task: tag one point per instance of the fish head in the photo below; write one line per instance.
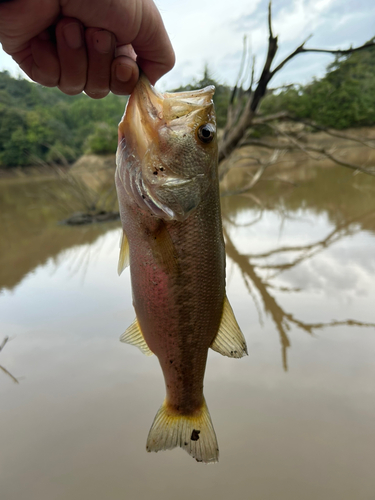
(167, 151)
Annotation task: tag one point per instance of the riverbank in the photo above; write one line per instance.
(98, 170)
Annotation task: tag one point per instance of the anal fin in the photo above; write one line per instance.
(123, 260)
(134, 336)
(229, 340)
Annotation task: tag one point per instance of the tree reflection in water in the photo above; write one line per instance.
(250, 265)
(2, 345)
(31, 235)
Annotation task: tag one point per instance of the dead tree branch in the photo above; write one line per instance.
(370, 143)
(242, 113)
(258, 174)
(295, 145)
(285, 116)
(301, 49)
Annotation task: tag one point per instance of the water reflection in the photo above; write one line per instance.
(250, 264)
(29, 231)
(4, 370)
(348, 202)
(31, 236)
(76, 425)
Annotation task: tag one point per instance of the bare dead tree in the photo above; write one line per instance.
(244, 104)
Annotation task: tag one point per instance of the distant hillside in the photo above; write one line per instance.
(344, 98)
(39, 124)
(43, 125)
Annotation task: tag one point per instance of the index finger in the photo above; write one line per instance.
(135, 22)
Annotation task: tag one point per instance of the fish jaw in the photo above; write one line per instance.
(164, 162)
(142, 115)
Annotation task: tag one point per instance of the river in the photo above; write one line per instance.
(294, 419)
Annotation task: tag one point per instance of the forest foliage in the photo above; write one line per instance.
(43, 125)
(343, 98)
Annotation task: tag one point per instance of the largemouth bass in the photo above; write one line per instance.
(168, 192)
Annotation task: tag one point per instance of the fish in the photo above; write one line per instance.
(169, 201)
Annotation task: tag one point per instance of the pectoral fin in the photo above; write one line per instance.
(229, 340)
(123, 260)
(163, 249)
(134, 336)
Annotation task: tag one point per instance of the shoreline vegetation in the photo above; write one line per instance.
(264, 134)
(43, 127)
(97, 168)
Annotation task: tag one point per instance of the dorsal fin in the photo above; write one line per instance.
(134, 336)
(123, 260)
(229, 340)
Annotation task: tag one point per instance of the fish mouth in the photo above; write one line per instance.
(148, 110)
(143, 116)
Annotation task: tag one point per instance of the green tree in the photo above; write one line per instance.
(103, 140)
(344, 97)
(221, 96)
(40, 124)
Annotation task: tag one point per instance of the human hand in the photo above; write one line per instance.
(90, 45)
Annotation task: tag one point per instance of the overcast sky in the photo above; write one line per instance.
(211, 31)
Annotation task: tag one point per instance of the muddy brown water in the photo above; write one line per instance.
(294, 420)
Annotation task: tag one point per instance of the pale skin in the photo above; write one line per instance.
(94, 46)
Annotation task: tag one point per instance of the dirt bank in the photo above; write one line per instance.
(286, 166)
(98, 171)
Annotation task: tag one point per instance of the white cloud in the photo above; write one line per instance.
(212, 31)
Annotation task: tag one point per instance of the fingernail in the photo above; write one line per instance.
(103, 42)
(123, 72)
(73, 35)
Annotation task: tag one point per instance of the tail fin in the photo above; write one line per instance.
(196, 435)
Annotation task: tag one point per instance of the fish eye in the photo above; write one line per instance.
(206, 133)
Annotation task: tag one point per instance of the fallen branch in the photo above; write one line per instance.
(284, 115)
(296, 145)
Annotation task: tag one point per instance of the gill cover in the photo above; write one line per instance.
(167, 152)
